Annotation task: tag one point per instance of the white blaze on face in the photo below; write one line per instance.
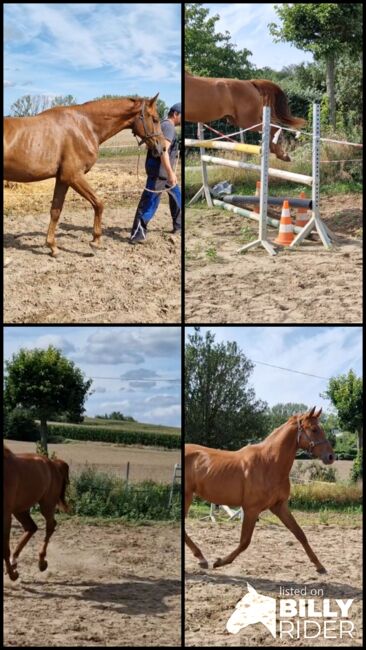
(253, 608)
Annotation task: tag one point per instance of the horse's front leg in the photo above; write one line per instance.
(80, 186)
(190, 543)
(250, 519)
(56, 207)
(13, 575)
(283, 513)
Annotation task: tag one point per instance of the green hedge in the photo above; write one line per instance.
(94, 494)
(77, 432)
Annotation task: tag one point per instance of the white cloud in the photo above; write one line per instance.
(164, 412)
(57, 341)
(162, 400)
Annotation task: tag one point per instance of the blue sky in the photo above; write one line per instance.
(129, 354)
(92, 49)
(248, 25)
(321, 351)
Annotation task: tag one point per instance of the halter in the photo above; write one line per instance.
(147, 135)
(312, 443)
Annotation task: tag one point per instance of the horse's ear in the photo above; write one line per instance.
(317, 415)
(311, 413)
(153, 99)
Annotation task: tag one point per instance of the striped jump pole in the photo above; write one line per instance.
(315, 220)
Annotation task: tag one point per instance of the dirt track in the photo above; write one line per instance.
(120, 284)
(105, 586)
(306, 285)
(274, 559)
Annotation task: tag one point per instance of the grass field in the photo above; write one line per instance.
(145, 463)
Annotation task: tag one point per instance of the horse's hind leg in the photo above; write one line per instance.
(80, 185)
(48, 513)
(30, 528)
(190, 543)
(58, 199)
(276, 148)
(250, 519)
(13, 575)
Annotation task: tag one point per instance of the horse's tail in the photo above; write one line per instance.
(274, 97)
(64, 470)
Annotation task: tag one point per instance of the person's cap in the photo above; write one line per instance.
(176, 108)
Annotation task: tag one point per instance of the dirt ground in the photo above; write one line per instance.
(306, 285)
(145, 463)
(119, 284)
(105, 586)
(274, 560)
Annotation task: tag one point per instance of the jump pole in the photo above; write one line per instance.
(315, 220)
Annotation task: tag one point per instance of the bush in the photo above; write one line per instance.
(356, 471)
(320, 473)
(95, 494)
(317, 496)
(20, 425)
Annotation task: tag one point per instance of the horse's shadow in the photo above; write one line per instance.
(133, 596)
(274, 587)
(115, 233)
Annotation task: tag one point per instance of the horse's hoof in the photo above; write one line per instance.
(43, 564)
(217, 563)
(94, 245)
(321, 569)
(13, 563)
(14, 575)
(54, 253)
(203, 564)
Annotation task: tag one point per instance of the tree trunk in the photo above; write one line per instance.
(359, 440)
(44, 434)
(330, 89)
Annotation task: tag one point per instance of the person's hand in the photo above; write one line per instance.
(172, 178)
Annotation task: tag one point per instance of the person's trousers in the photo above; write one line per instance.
(149, 202)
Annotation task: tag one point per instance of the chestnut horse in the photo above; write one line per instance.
(241, 102)
(256, 478)
(63, 143)
(31, 479)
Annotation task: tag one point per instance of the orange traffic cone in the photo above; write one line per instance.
(286, 231)
(302, 215)
(256, 208)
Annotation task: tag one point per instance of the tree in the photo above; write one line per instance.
(47, 383)
(220, 408)
(345, 393)
(280, 413)
(30, 105)
(64, 100)
(211, 54)
(328, 30)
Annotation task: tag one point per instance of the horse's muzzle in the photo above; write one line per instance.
(157, 150)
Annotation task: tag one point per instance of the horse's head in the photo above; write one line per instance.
(147, 126)
(311, 437)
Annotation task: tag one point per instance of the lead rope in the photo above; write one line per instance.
(165, 189)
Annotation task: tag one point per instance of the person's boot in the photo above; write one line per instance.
(138, 232)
